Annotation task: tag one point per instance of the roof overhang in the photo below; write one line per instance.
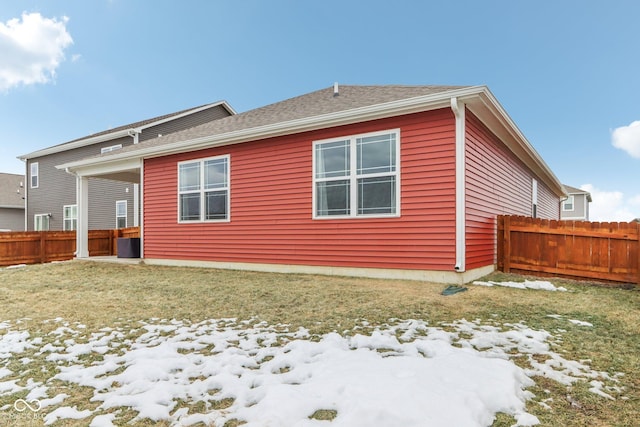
(479, 100)
(126, 170)
(120, 133)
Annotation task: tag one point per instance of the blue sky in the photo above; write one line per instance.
(568, 73)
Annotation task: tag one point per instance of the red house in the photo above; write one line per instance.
(376, 181)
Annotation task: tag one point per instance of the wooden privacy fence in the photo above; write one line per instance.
(32, 247)
(604, 251)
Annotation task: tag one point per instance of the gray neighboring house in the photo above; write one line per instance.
(576, 206)
(51, 193)
(12, 196)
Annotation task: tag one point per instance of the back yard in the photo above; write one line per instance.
(84, 343)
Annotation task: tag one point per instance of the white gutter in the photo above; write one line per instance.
(458, 108)
(78, 144)
(372, 112)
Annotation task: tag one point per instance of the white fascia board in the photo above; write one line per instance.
(120, 133)
(103, 168)
(77, 144)
(372, 112)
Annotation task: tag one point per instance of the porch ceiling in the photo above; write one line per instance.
(131, 175)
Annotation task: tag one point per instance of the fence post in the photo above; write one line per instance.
(43, 248)
(638, 252)
(507, 244)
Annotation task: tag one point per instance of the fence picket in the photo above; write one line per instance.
(29, 247)
(577, 249)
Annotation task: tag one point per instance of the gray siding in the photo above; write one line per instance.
(580, 208)
(187, 122)
(11, 219)
(57, 188)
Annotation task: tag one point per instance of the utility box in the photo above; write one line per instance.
(128, 247)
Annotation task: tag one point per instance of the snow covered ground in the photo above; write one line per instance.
(404, 373)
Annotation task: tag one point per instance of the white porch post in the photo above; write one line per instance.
(82, 232)
(136, 205)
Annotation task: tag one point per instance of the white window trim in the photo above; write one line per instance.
(36, 175)
(534, 198)
(65, 219)
(110, 148)
(353, 176)
(35, 221)
(202, 190)
(120, 216)
(573, 204)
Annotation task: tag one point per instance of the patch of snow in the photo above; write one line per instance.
(580, 322)
(574, 321)
(65, 412)
(596, 387)
(4, 372)
(106, 420)
(56, 400)
(373, 378)
(527, 284)
(15, 266)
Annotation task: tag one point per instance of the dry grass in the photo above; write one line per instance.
(99, 295)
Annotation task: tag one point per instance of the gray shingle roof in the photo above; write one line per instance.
(313, 104)
(9, 185)
(138, 124)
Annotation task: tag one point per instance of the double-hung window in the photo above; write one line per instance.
(203, 190)
(567, 205)
(34, 175)
(357, 176)
(121, 214)
(70, 217)
(41, 222)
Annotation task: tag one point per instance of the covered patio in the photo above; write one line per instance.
(128, 171)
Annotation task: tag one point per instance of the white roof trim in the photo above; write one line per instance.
(121, 133)
(479, 99)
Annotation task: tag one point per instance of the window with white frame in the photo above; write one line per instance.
(121, 214)
(357, 176)
(111, 148)
(203, 190)
(34, 174)
(41, 222)
(70, 217)
(567, 205)
(534, 198)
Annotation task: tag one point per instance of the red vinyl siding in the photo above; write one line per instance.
(271, 204)
(497, 183)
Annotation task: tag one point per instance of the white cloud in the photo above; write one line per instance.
(611, 205)
(627, 138)
(32, 49)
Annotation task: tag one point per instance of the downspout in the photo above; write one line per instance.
(134, 133)
(458, 108)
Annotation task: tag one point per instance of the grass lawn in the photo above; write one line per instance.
(99, 295)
